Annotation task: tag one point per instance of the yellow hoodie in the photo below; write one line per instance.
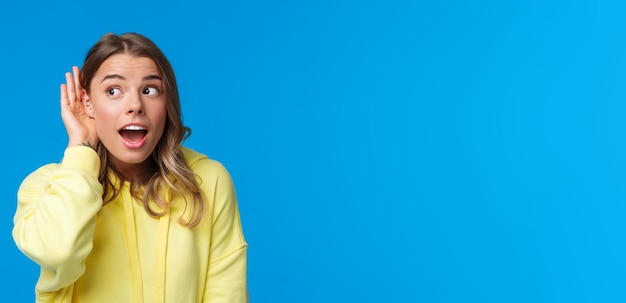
(117, 252)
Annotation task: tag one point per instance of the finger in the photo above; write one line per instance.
(71, 92)
(77, 87)
(64, 100)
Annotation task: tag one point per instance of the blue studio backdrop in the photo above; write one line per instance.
(382, 151)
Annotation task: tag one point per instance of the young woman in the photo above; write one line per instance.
(130, 215)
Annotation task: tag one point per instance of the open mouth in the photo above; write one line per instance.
(133, 133)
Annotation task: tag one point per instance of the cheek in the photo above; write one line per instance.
(104, 118)
(159, 116)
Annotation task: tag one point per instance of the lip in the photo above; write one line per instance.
(134, 124)
(136, 144)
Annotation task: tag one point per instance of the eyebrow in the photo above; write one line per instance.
(116, 76)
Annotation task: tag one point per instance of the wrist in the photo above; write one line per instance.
(87, 143)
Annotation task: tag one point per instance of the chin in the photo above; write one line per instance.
(134, 157)
(129, 157)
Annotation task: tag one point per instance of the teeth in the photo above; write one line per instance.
(133, 127)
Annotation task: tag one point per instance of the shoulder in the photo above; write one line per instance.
(215, 184)
(40, 177)
(208, 170)
(46, 169)
(78, 162)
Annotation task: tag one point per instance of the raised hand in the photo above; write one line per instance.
(80, 126)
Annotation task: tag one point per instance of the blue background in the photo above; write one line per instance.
(383, 151)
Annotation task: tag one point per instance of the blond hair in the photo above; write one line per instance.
(169, 169)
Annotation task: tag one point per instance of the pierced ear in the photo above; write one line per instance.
(86, 103)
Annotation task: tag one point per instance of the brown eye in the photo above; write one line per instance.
(152, 91)
(114, 91)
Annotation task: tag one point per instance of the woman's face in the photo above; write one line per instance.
(129, 109)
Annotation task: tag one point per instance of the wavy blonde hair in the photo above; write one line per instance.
(168, 169)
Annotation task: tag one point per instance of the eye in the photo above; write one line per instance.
(152, 91)
(113, 91)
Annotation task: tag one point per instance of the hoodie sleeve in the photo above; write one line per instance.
(227, 272)
(55, 217)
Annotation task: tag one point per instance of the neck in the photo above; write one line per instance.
(130, 171)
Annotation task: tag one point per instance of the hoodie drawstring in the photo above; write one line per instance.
(132, 247)
(133, 252)
(159, 268)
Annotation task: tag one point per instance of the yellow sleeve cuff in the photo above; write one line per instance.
(82, 158)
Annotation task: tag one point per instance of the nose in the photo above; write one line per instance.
(135, 105)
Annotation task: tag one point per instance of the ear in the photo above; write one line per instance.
(87, 106)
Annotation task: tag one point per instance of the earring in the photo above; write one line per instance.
(87, 103)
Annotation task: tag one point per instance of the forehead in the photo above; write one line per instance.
(128, 65)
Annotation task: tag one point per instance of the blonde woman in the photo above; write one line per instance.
(130, 215)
